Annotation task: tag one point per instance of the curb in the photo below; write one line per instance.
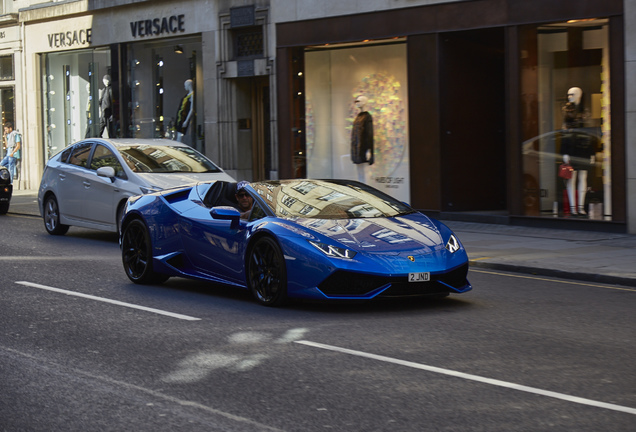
(584, 277)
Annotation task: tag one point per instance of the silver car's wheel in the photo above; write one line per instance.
(52, 217)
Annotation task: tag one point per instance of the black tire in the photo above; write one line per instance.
(266, 273)
(136, 255)
(51, 217)
(4, 208)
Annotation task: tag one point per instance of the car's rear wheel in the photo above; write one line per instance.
(52, 217)
(136, 254)
(266, 273)
(119, 217)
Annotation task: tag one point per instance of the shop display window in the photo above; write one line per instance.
(73, 84)
(6, 68)
(356, 118)
(162, 104)
(566, 112)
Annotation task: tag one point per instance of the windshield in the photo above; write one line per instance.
(166, 159)
(327, 199)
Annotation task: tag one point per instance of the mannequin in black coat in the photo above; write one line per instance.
(362, 137)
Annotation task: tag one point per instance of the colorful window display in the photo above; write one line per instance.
(356, 117)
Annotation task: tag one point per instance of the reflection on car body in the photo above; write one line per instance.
(542, 155)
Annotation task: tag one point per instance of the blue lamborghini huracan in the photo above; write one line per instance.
(311, 239)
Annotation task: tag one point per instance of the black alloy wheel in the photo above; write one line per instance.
(266, 273)
(52, 217)
(136, 254)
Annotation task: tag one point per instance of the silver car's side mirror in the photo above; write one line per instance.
(108, 172)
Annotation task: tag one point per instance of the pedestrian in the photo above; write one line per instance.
(13, 142)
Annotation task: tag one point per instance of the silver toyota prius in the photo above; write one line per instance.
(88, 183)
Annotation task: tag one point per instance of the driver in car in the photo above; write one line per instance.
(244, 199)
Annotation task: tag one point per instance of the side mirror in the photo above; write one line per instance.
(226, 213)
(108, 172)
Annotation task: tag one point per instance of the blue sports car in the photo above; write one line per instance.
(310, 239)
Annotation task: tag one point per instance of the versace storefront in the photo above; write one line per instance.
(149, 70)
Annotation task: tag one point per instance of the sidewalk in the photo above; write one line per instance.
(582, 255)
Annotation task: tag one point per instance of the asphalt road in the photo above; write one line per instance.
(84, 349)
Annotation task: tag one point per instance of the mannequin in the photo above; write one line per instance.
(577, 150)
(362, 137)
(106, 108)
(185, 111)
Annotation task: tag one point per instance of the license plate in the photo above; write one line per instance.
(420, 277)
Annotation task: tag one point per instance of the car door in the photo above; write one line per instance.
(71, 178)
(213, 246)
(103, 193)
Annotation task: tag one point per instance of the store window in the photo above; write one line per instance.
(77, 98)
(6, 68)
(356, 118)
(566, 112)
(166, 88)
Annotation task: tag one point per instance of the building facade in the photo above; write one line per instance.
(464, 108)
(10, 72)
(125, 69)
(475, 105)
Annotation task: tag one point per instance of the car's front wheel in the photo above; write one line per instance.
(52, 217)
(4, 208)
(136, 254)
(266, 273)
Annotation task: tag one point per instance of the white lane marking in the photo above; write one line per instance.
(58, 258)
(105, 300)
(495, 382)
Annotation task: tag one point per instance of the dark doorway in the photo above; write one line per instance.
(472, 106)
(261, 141)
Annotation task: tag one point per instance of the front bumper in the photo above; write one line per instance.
(344, 284)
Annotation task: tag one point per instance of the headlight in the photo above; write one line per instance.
(453, 244)
(333, 251)
(4, 174)
(150, 189)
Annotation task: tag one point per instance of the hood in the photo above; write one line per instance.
(411, 232)
(170, 180)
